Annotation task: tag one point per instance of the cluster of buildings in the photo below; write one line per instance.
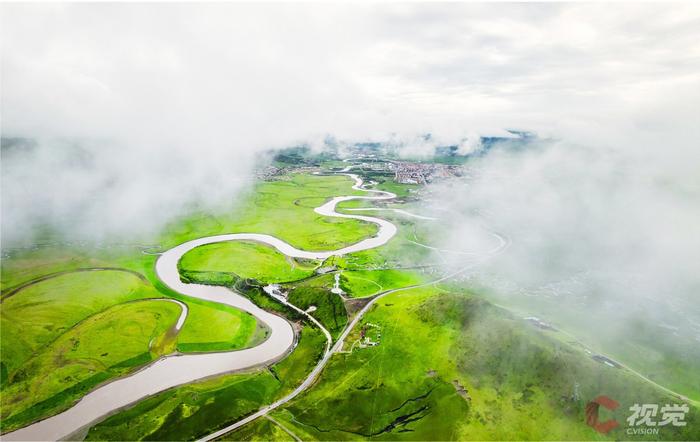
(377, 166)
(423, 173)
(267, 172)
(365, 340)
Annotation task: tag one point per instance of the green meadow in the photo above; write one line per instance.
(361, 283)
(216, 327)
(329, 308)
(282, 208)
(103, 346)
(433, 363)
(84, 314)
(36, 315)
(401, 252)
(66, 334)
(247, 259)
(450, 366)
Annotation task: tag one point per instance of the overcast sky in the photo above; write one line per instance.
(173, 100)
(271, 74)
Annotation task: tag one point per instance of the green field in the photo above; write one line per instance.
(329, 308)
(399, 253)
(216, 327)
(247, 259)
(103, 346)
(453, 367)
(361, 283)
(27, 265)
(52, 294)
(401, 190)
(64, 335)
(435, 363)
(39, 313)
(283, 209)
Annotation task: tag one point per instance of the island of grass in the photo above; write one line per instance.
(218, 327)
(248, 260)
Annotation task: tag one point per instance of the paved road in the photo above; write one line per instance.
(504, 243)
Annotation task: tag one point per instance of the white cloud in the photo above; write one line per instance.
(186, 94)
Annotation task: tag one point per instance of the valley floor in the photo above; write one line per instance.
(435, 362)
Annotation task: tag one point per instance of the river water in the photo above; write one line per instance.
(171, 371)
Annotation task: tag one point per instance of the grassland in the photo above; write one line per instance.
(39, 313)
(26, 265)
(671, 360)
(450, 366)
(281, 208)
(52, 292)
(100, 347)
(329, 307)
(263, 429)
(247, 260)
(401, 190)
(216, 327)
(399, 253)
(361, 283)
(63, 335)
(195, 410)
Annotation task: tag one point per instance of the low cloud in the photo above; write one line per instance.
(610, 233)
(140, 110)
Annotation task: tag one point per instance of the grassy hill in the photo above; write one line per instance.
(451, 366)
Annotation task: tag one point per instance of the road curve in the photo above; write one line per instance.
(504, 244)
(174, 370)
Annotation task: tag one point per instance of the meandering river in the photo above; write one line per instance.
(174, 370)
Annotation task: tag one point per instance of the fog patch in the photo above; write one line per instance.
(100, 190)
(608, 233)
